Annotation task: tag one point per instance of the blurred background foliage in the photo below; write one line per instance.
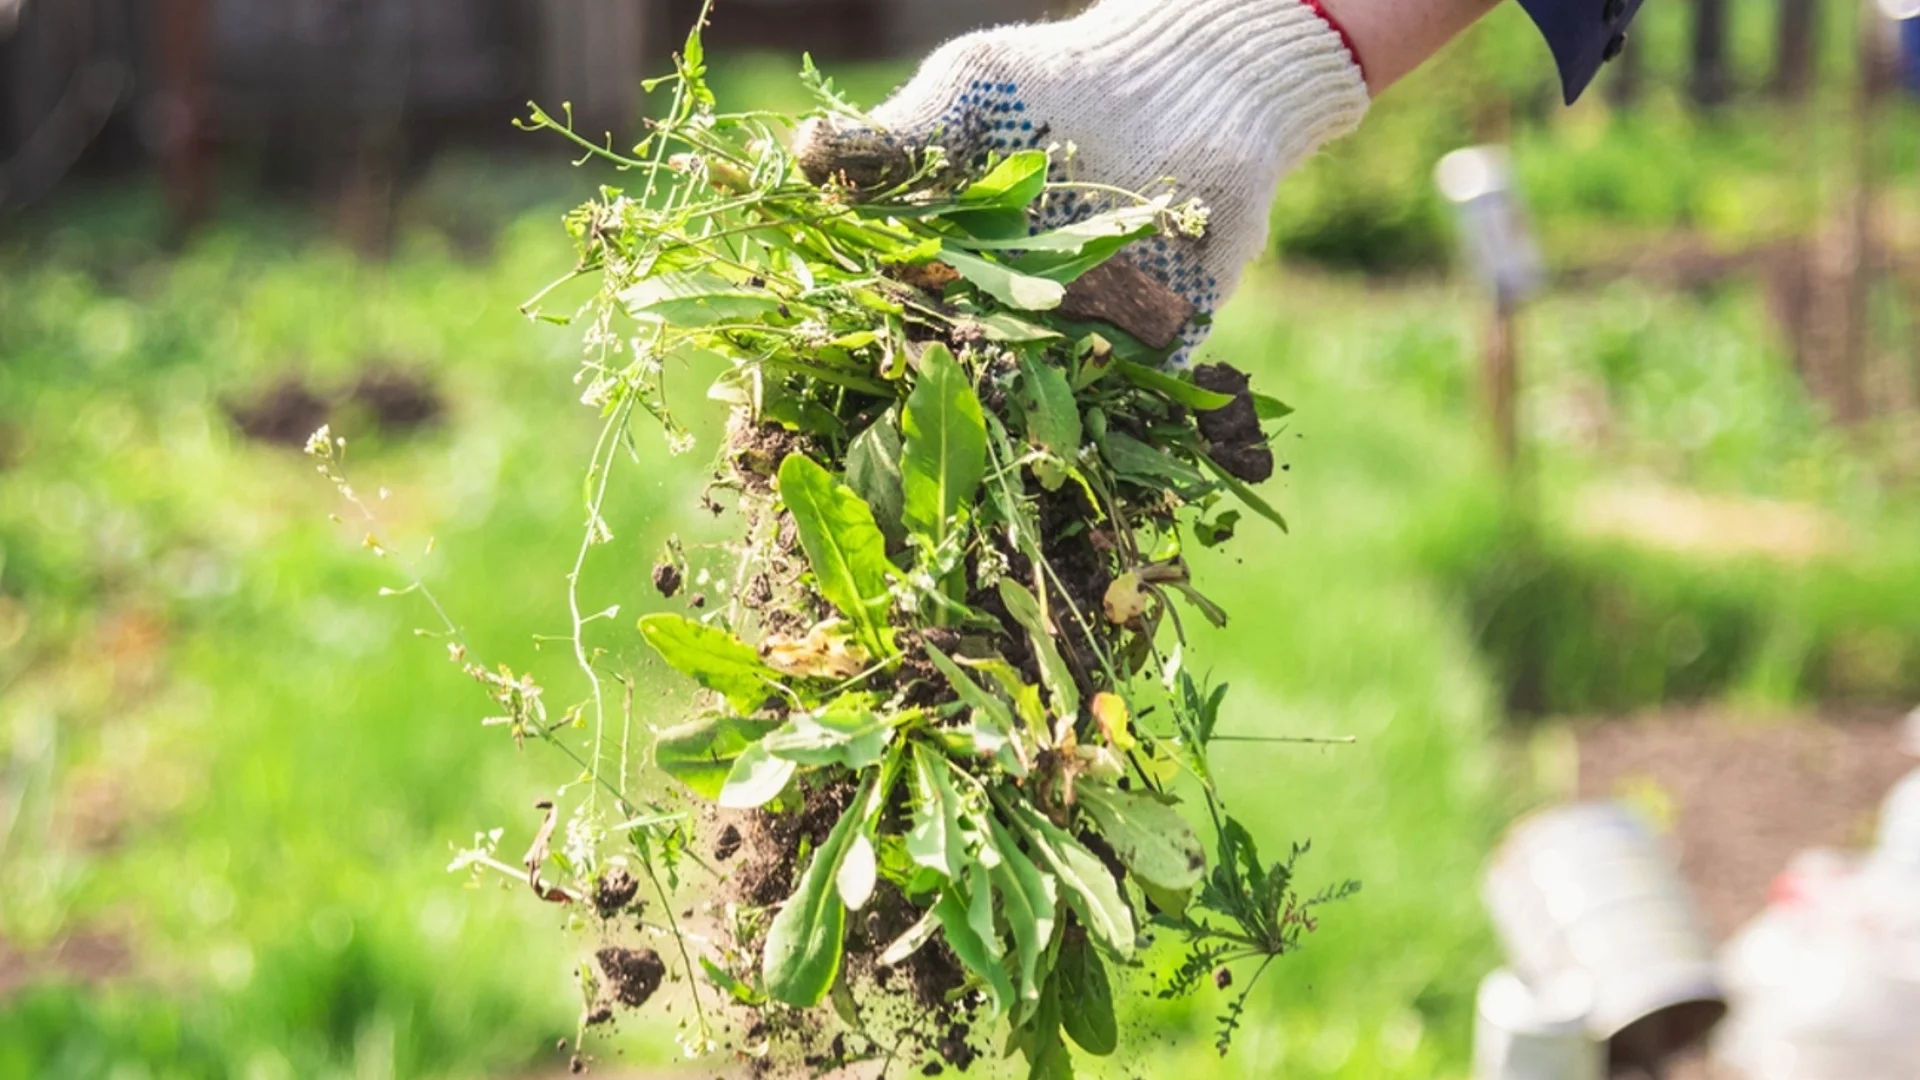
(231, 776)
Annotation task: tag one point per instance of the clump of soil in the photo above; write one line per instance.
(630, 975)
(667, 579)
(399, 401)
(283, 415)
(614, 892)
(1234, 439)
(290, 410)
(725, 848)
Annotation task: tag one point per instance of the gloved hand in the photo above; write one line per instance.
(1223, 97)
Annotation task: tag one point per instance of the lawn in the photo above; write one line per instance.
(232, 774)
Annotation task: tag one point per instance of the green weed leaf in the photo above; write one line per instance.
(697, 298)
(874, 473)
(1005, 284)
(1053, 419)
(702, 754)
(805, 942)
(1082, 978)
(1013, 184)
(756, 779)
(946, 447)
(844, 546)
(954, 913)
(1150, 837)
(935, 840)
(1087, 886)
(1053, 668)
(714, 658)
(1171, 386)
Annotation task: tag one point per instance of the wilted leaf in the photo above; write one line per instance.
(1116, 722)
(714, 658)
(1125, 600)
(827, 652)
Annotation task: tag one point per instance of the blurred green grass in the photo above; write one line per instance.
(219, 746)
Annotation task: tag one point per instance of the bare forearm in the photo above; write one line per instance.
(1393, 37)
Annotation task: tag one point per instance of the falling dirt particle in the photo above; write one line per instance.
(283, 415)
(614, 892)
(601, 1015)
(699, 600)
(632, 974)
(933, 1068)
(577, 1065)
(955, 1048)
(399, 401)
(1234, 439)
(1223, 978)
(729, 844)
(667, 579)
(560, 1045)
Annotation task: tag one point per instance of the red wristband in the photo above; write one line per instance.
(1345, 39)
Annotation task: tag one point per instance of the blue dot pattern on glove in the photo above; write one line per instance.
(991, 117)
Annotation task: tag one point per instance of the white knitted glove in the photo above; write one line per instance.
(1224, 97)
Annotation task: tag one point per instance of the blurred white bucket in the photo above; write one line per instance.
(1520, 1035)
(1586, 891)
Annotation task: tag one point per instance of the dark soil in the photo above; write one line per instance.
(755, 451)
(666, 579)
(285, 414)
(398, 401)
(769, 843)
(725, 848)
(1234, 439)
(632, 975)
(614, 892)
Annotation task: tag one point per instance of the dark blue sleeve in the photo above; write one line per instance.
(1583, 34)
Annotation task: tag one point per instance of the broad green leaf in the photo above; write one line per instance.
(953, 912)
(946, 447)
(756, 779)
(1150, 837)
(859, 873)
(935, 841)
(1053, 669)
(1029, 900)
(969, 691)
(714, 658)
(1136, 460)
(1172, 386)
(1053, 419)
(1006, 329)
(1246, 494)
(1011, 287)
(873, 472)
(724, 979)
(980, 910)
(1013, 184)
(805, 942)
(697, 298)
(1026, 696)
(1268, 408)
(844, 733)
(1039, 1039)
(1088, 1018)
(844, 546)
(1087, 886)
(1125, 224)
(701, 754)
